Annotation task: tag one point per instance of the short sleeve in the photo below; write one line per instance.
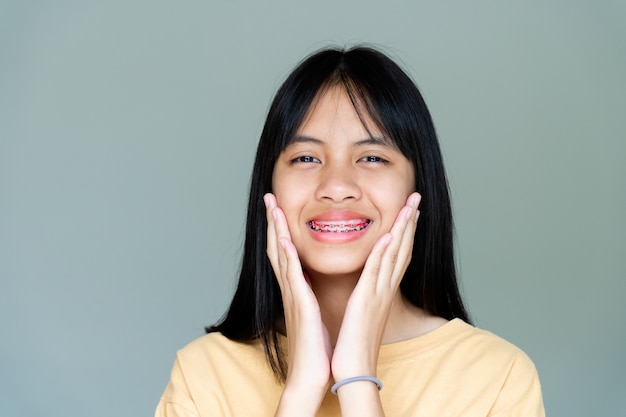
(520, 395)
(176, 400)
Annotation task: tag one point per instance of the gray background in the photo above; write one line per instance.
(127, 132)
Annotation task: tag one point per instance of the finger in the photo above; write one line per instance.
(290, 268)
(272, 239)
(408, 237)
(397, 254)
(293, 267)
(376, 265)
(282, 232)
(275, 251)
(297, 288)
(371, 269)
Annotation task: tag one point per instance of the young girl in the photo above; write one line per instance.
(347, 302)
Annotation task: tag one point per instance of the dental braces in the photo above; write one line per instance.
(339, 227)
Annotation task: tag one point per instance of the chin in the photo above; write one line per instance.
(335, 263)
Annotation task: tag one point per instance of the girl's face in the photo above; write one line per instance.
(339, 186)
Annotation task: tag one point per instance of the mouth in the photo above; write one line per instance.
(343, 226)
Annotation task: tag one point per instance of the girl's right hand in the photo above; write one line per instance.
(309, 349)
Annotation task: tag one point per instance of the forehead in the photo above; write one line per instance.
(336, 113)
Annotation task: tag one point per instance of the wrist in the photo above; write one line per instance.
(299, 401)
(349, 371)
(360, 398)
(355, 379)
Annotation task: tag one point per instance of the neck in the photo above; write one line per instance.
(405, 320)
(333, 293)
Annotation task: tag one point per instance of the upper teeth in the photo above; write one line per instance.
(338, 227)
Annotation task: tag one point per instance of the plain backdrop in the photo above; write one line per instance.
(127, 133)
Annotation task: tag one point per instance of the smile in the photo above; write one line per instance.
(343, 226)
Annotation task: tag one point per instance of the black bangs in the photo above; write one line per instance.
(350, 70)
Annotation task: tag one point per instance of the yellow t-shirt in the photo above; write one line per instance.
(455, 370)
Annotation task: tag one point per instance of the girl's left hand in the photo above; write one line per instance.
(365, 318)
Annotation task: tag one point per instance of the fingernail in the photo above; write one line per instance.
(274, 214)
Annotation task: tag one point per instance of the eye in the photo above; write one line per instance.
(373, 159)
(305, 159)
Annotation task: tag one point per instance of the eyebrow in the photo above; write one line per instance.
(374, 140)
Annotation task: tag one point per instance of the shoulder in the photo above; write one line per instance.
(486, 349)
(456, 346)
(475, 339)
(503, 366)
(459, 369)
(453, 338)
(215, 351)
(212, 372)
(211, 342)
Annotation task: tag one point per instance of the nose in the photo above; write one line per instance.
(337, 184)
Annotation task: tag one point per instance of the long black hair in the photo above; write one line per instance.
(378, 86)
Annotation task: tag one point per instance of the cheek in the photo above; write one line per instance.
(286, 193)
(281, 190)
(390, 201)
(291, 197)
(392, 213)
(390, 194)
